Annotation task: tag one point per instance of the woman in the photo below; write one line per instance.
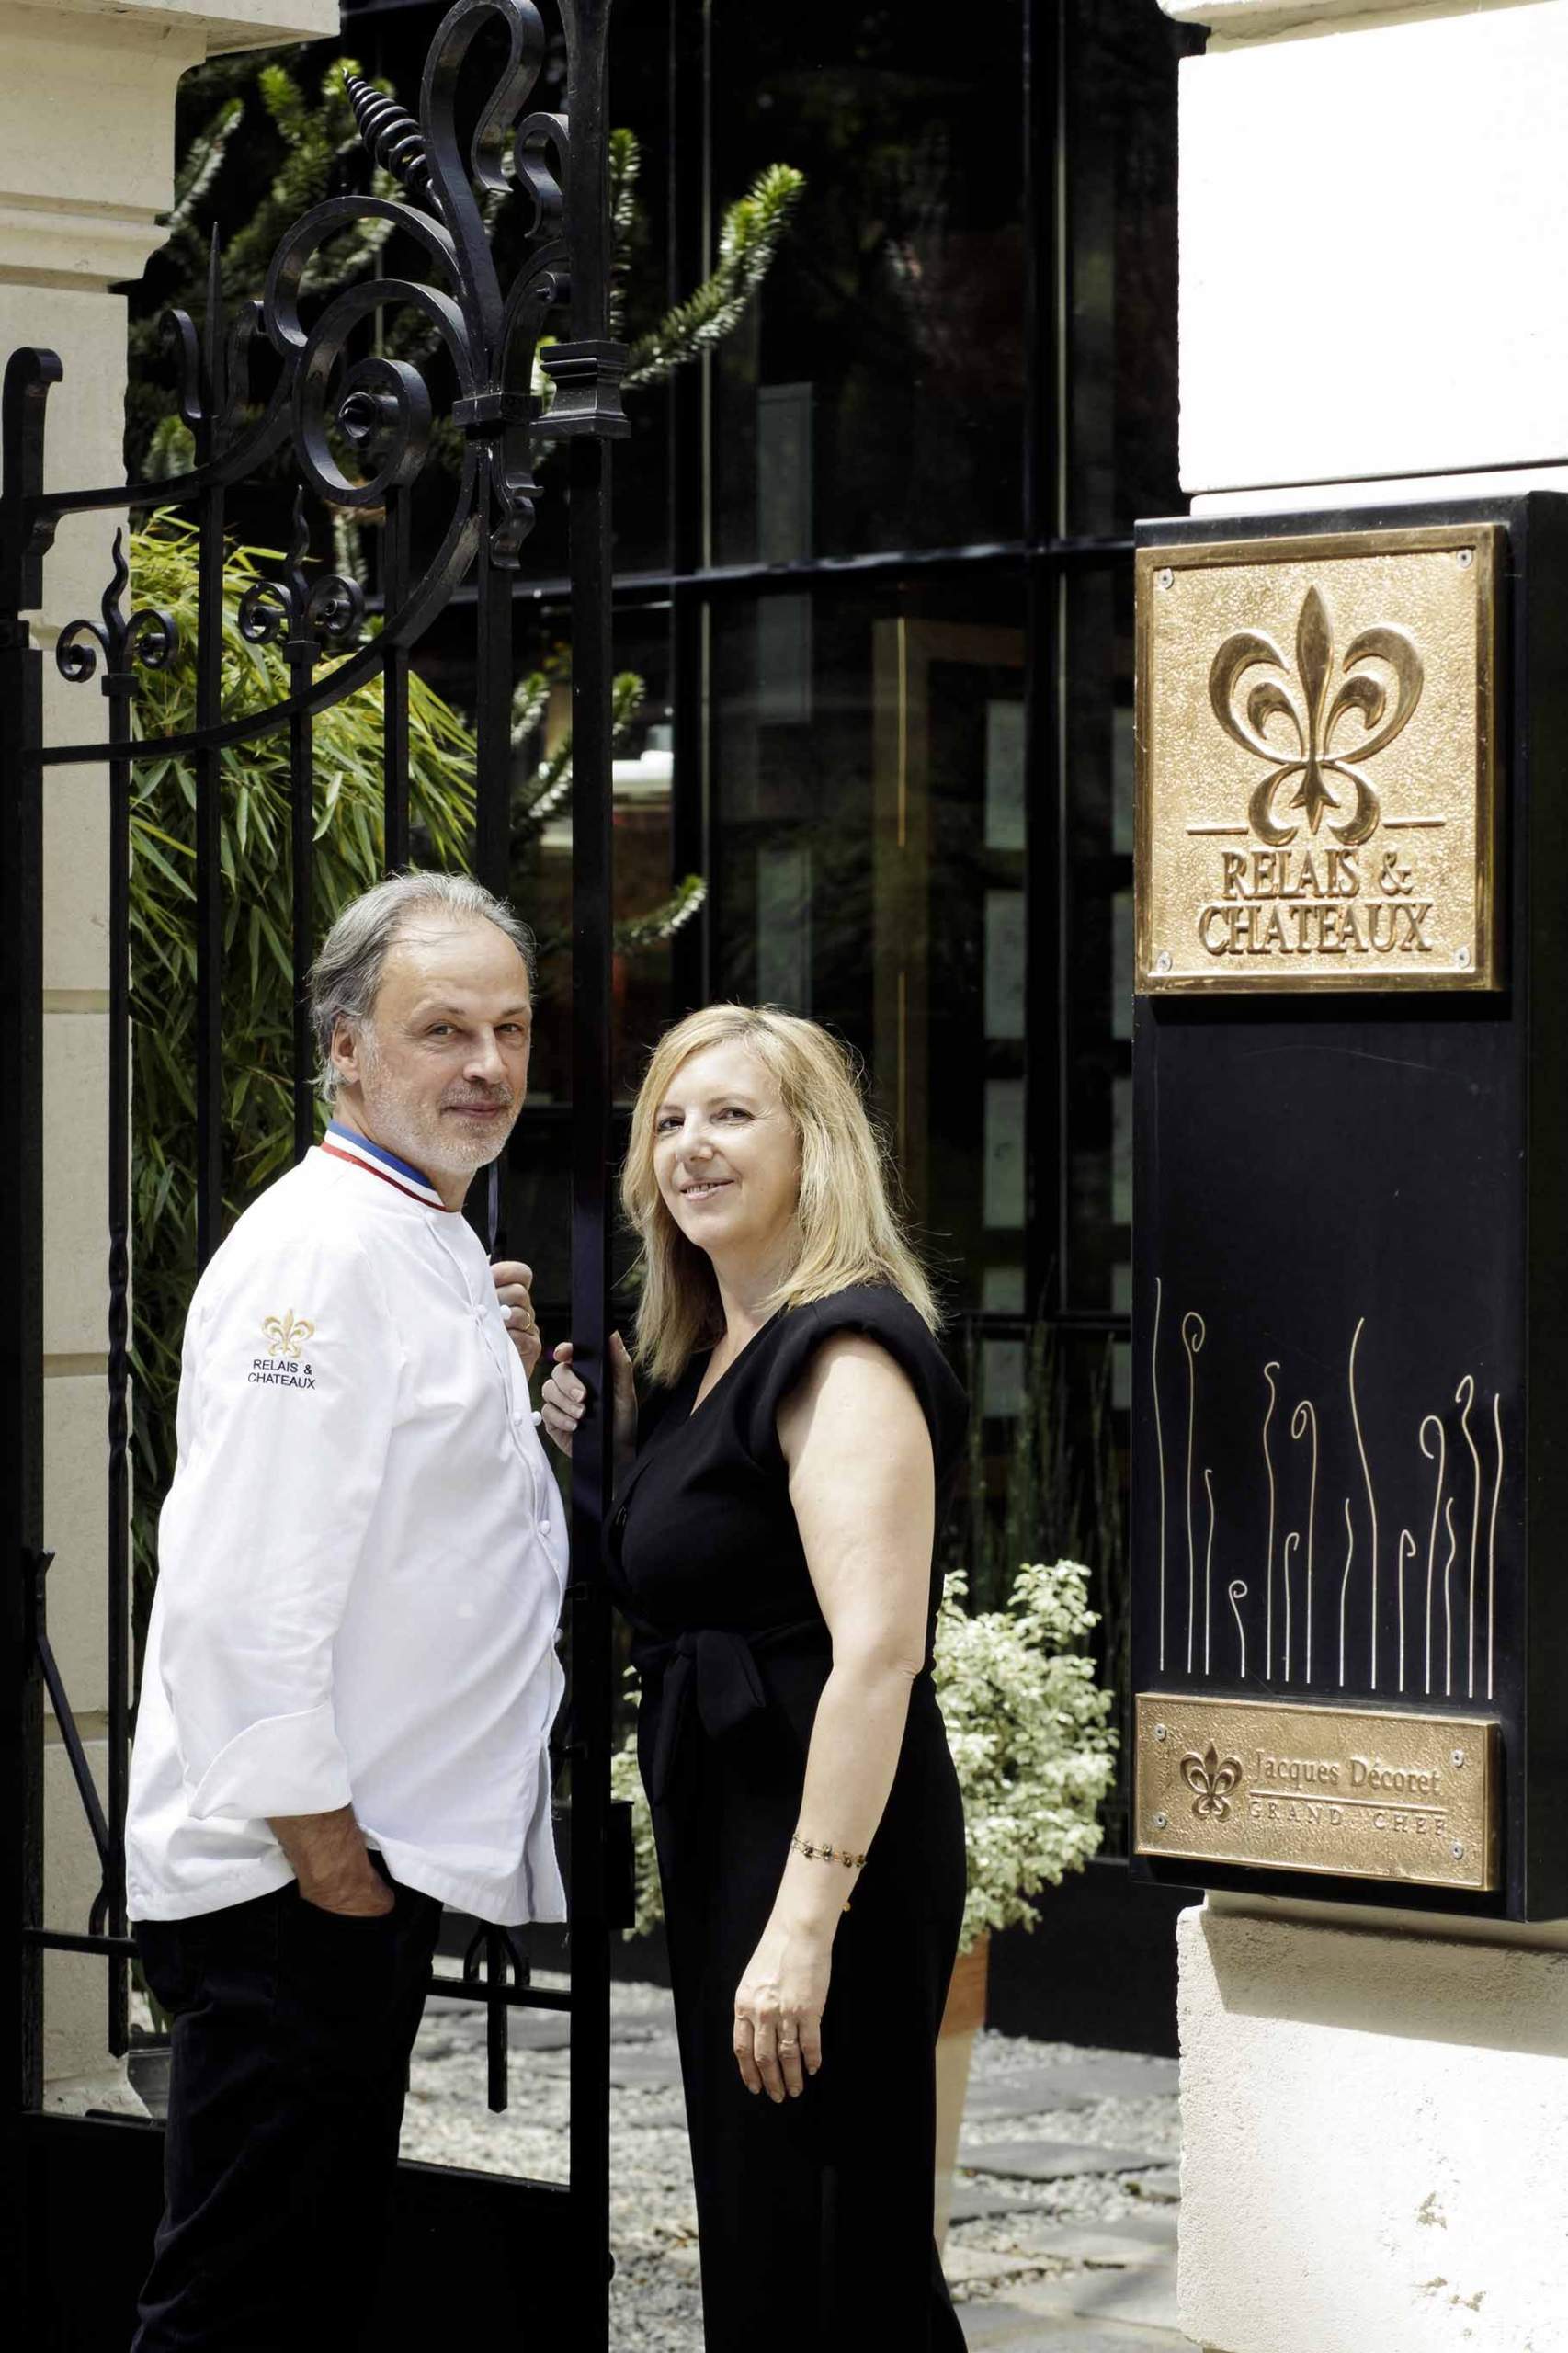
(772, 1547)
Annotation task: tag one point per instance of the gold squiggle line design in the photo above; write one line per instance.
(1448, 1606)
(1305, 1417)
(1208, 1561)
(1492, 1545)
(1191, 1323)
(1464, 1397)
(1293, 1538)
(1160, 1455)
(1345, 1584)
(1269, 1370)
(1433, 1422)
(1371, 1498)
(1238, 1593)
(1404, 1538)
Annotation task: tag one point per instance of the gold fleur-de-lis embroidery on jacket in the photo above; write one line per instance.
(287, 1334)
(1212, 1778)
(1314, 708)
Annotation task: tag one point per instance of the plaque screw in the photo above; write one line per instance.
(1456, 1759)
(1159, 1732)
(1164, 578)
(1162, 1822)
(1457, 1851)
(1466, 557)
(1461, 955)
(1163, 961)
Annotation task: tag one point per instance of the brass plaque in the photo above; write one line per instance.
(1317, 803)
(1361, 1792)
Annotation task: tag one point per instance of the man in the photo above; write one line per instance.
(350, 1671)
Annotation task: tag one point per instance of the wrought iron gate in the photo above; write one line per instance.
(512, 2252)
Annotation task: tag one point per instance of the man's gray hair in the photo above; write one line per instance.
(346, 975)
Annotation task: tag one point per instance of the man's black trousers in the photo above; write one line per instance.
(292, 2035)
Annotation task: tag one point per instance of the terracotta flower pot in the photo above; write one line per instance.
(961, 2020)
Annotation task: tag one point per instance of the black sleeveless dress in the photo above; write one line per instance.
(816, 2216)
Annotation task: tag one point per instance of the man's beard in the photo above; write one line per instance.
(420, 1135)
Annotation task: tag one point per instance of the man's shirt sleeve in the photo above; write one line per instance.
(295, 1373)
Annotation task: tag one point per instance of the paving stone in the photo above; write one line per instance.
(974, 2201)
(968, 2267)
(540, 2030)
(633, 2067)
(1121, 2242)
(1012, 2324)
(1027, 2091)
(1160, 2188)
(1145, 2293)
(649, 2016)
(1050, 2160)
(1116, 2074)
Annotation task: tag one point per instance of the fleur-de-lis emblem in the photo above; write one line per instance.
(1212, 1778)
(1314, 707)
(287, 1334)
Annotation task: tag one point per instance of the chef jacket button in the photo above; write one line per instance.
(544, 1528)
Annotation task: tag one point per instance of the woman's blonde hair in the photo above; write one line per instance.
(847, 1231)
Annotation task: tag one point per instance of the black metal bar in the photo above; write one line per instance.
(495, 2050)
(1044, 849)
(492, 771)
(209, 886)
(633, 588)
(493, 717)
(302, 652)
(118, 678)
(510, 1998)
(690, 398)
(587, 23)
(61, 1941)
(70, 1739)
(394, 686)
(28, 377)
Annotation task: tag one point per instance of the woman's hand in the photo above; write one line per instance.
(563, 1400)
(514, 1288)
(778, 2008)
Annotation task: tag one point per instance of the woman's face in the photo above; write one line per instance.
(726, 1156)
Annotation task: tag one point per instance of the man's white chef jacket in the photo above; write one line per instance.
(362, 1558)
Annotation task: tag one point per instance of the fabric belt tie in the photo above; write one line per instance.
(715, 1668)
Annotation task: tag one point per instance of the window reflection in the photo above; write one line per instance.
(869, 871)
(875, 399)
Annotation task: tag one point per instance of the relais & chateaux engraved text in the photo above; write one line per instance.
(1317, 801)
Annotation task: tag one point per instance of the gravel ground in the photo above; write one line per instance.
(655, 2300)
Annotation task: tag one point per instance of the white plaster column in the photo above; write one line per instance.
(1374, 2103)
(86, 169)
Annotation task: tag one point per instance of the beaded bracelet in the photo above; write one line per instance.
(814, 1853)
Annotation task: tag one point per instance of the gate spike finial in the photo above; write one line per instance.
(393, 137)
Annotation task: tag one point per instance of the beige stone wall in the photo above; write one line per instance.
(87, 167)
(1375, 2136)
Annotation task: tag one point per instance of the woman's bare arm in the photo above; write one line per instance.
(863, 1487)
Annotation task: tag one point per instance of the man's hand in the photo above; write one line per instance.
(514, 1285)
(333, 1863)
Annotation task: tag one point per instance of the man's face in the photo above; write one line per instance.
(438, 1072)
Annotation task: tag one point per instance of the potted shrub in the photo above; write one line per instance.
(1027, 1722)
(1035, 1755)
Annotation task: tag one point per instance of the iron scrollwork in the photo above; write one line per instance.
(147, 638)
